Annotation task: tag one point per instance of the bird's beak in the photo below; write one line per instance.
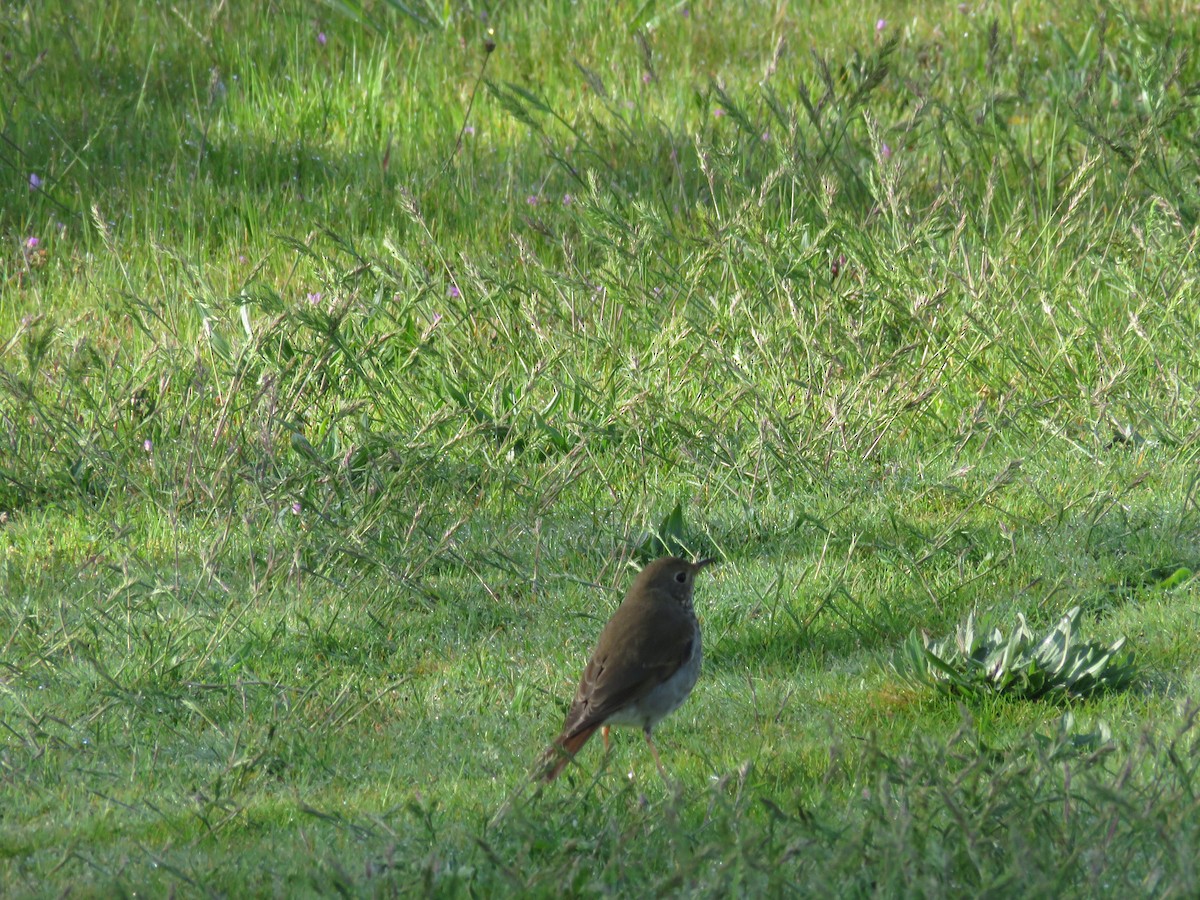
(700, 564)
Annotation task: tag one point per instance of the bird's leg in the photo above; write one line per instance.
(604, 733)
(654, 753)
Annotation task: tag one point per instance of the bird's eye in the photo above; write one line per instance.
(681, 577)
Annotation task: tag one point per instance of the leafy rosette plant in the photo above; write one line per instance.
(975, 661)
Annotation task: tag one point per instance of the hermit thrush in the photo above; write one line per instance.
(645, 664)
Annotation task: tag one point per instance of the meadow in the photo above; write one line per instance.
(353, 356)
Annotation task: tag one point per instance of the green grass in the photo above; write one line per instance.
(327, 445)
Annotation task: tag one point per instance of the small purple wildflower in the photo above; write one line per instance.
(296, 507)
(31, 243)
(880, 25)
(34, 181)
(718, 112)
(685, 12)
(885, 152)
(148, 445)
(321, 38)
(568, 200)
(532, 199)
(469, 129)
(454, 291)
(314, 297)
(646, 77)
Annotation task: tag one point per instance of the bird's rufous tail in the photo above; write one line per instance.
(556, 757)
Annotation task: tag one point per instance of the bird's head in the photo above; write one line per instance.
(670, 577)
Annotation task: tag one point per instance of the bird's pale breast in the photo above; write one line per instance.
(664, 699)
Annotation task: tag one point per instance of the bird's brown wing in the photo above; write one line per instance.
(635, 666)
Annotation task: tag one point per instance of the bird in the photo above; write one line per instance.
(645, 664)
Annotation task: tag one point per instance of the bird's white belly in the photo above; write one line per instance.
(663, 699)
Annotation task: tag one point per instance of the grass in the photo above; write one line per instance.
(328, 443)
